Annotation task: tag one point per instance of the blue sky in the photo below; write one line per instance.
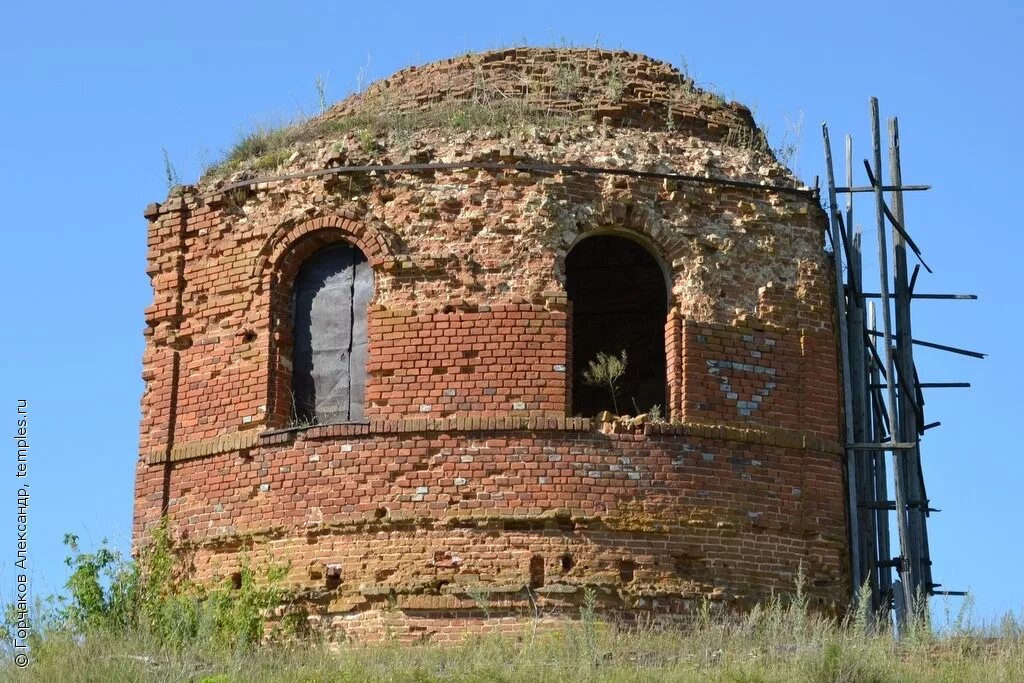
(93, 92)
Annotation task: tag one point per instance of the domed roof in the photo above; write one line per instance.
(488, 95)
(617, 87)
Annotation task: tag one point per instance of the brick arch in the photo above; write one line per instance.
(287, 249)
(653, 248)
(286, 243)
(623, 218)
(618, 219)
(643, 240)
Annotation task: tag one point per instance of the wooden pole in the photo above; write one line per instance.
(899, 479)
(844, 353)
(910, 412)
(861, 414)
(881, 489)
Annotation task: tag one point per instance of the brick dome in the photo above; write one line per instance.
(381, 374)
(622, 88)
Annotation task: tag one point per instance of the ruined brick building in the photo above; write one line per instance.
(376, 376)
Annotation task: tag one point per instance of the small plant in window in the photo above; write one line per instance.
(303, 414)
(605, 371)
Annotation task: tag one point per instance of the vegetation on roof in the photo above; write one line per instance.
(267, 147)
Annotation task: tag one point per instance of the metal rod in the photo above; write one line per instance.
(524, 166)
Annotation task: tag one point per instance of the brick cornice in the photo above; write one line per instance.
(244, 440)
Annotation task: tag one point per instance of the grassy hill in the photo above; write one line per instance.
(143, 621)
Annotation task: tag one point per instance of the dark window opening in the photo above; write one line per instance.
(619, 303)
(627, 569)
(332, 292)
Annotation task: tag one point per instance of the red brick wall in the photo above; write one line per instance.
(505, 360)
(423, 512)
(759, 375)
(468, 451)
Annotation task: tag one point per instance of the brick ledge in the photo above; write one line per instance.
(244, 440)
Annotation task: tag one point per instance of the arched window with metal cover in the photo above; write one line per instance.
(332, 292)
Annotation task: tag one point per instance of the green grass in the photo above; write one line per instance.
(769, 646)
(145, 620)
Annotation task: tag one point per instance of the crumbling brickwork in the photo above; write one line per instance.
(471, 476)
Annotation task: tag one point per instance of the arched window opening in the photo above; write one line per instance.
(619, 304)
(332, 291)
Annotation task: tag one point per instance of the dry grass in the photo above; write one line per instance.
(773, 643)
(268, 147)
(143, 620)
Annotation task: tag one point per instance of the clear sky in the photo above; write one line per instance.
(90, 93)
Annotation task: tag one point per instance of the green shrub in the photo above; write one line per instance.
(143, 619)
(107, 593)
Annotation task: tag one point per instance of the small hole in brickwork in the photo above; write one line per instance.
(626, 570)
(380, 513)
(333, 572)
(236, 580)
(536, 572)
(248, 337)
(567, 562)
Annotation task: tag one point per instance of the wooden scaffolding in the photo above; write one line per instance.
(882, 394)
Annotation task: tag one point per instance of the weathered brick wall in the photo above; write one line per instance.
(629, 89)
(508, 360)
(469, 450)
(426, 514)
(760, 375)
